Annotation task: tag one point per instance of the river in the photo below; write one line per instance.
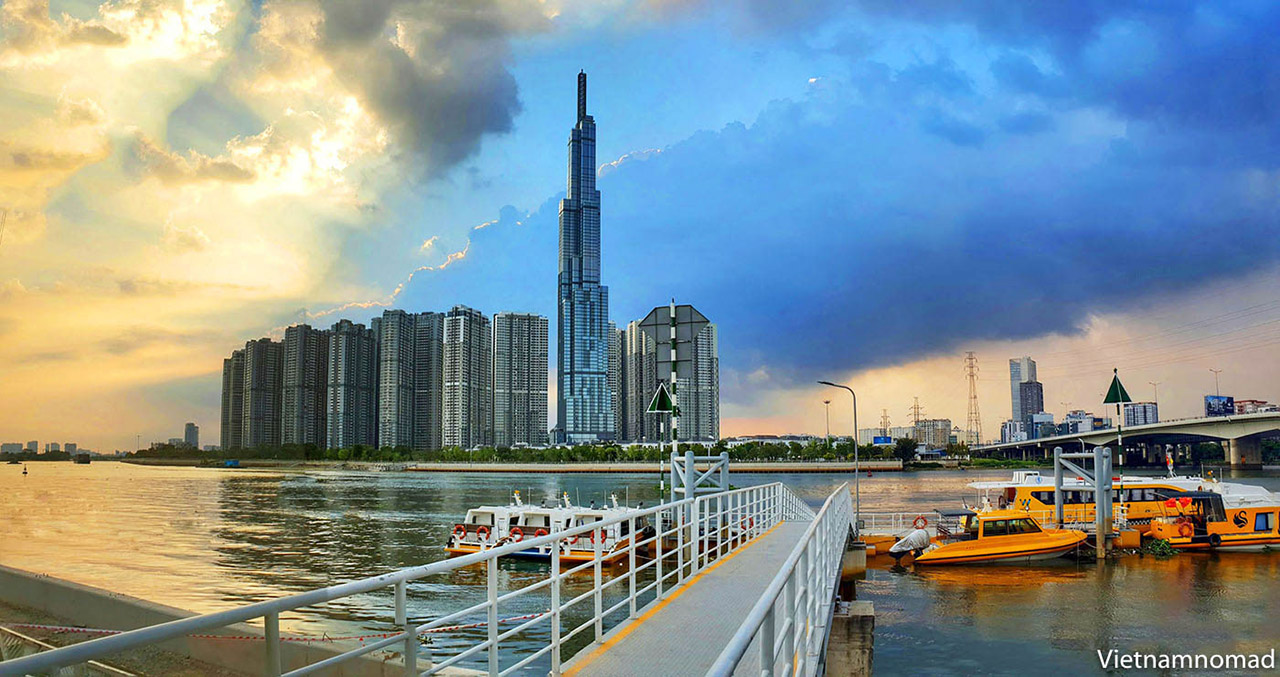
(209, 539)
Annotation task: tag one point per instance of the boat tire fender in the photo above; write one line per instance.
(1215, 540)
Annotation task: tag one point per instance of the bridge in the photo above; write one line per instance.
(751, 573)
(1241, 436)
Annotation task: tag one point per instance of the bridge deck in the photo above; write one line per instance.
(685, 633)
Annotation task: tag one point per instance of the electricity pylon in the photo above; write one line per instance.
(975, 419)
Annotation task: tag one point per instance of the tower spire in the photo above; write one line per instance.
(582, 94)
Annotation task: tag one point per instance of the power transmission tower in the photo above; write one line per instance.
(916, 412)
(884, 422)
(975, 419)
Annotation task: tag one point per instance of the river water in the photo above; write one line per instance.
(209, 539)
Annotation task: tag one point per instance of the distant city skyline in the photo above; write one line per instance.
(854, 193)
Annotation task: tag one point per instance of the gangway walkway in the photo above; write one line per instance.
(742, 581)
(709, 607)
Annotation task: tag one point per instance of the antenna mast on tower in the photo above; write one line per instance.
(884, 422)
(975, 419)
(916, 412)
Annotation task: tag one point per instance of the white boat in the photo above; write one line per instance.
(488, 527)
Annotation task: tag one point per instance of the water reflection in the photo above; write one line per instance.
(209, 539)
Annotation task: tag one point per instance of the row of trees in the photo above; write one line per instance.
(599, 453)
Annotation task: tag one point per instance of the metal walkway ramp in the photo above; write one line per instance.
(701, 616)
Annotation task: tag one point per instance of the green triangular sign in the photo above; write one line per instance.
(1116, 394)
(661, 402)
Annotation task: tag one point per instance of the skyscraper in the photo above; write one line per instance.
(1031, 402)
(1021, 370)
(232, 419)
(305, 386)
(616, 397)
(428, 381)
(519, 379)
(397, 334)
(190, 436)
(639, 381)
(584, 406)
(351, 411)
(263, 372)
(468, 379)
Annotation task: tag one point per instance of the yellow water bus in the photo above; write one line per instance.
(1200, 521)
(1139, 498)
(993, 537)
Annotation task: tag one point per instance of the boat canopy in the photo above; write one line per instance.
(956, 513)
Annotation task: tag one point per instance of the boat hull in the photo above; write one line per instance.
(969, 553)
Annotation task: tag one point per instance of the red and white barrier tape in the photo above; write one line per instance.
(326, 638)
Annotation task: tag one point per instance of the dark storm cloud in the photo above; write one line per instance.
(445, 82)
(833, 233)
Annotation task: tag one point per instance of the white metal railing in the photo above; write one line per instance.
(793, 615)
(688, 534)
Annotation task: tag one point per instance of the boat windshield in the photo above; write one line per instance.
(1011, 527)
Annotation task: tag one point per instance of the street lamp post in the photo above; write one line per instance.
(857, 494)
(827, 404)
(1216, 390)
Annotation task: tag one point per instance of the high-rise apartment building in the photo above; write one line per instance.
(190, 436)
(615, 380)
(351, 413)
(263, 375)
(231, 433)
(1141, 413)
(397, 336)
(468, 379)
(584, 405)
(639, 382)
(1021, 370)
(1030, 402)
(305, 386)
(519, 379)
(428, 381)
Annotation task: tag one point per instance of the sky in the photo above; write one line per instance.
(853, 191)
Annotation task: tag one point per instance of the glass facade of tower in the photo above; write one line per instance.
(584, 406)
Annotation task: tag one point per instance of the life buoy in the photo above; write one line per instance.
(920, 522)
(1185, 530)
(460, 530)
(570, 539)
(482, 532)
(517, 534)
(1215, 540)
(748, 523)
(591, 536)
(540, 533)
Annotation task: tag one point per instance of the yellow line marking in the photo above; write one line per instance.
(671, 596)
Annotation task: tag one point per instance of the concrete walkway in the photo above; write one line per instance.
(685, 633)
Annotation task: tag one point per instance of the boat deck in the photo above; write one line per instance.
(685, 632)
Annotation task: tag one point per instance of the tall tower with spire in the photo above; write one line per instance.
(584, 403)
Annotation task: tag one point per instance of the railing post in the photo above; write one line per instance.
(766, 645)
(682, 513)
(599, 594)
(555, 608)
(789, 640)
(271, 623)
(695, 537)
(402, 620)
(631, 564)
(493, 617)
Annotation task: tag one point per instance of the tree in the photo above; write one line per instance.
(905, 449)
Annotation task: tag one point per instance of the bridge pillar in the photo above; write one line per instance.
(852, 641)
(1245, 452)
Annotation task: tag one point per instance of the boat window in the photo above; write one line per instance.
(1264, 521)
(624, 527)
(1023, 526)
(1045, 497)
(535, 520)
(995, 528)
(485, 518)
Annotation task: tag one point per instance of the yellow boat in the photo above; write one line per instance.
(1198, 520)
(995, 537)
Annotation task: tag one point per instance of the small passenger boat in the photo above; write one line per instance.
(1199, 520)
(988, 537)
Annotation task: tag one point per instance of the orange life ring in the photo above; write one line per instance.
(1185, 530)
(591, 536)
(482, 532)
(460, 530)
(571, 539)
(540, 533)
(920, 522)
(747, 523)
(517, 533)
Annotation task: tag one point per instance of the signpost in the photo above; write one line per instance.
(1118, 396)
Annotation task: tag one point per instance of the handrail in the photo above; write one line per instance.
(763, 503)
(831, 525)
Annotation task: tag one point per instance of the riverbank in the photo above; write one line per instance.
(541, 468)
